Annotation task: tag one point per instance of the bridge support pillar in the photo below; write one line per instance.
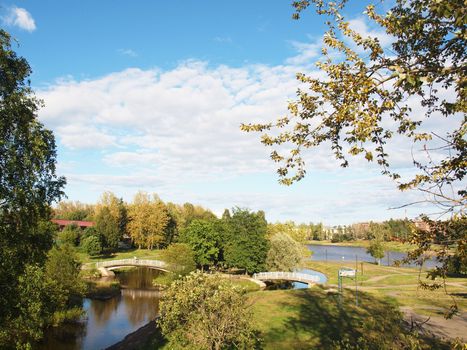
(106, 273)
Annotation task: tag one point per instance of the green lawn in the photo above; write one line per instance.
(314, 319)
(400, 284)
(127, 254)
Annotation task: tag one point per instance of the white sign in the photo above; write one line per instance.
(347, 273)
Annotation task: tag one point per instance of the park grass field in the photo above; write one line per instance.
(400, 284)
(315, 319)
(126, 254)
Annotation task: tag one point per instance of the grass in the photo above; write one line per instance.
(314, 319)
(399, 284)
(126, 254)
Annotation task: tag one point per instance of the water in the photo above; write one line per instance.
(109, 321)
(339, 253)
(322, 278)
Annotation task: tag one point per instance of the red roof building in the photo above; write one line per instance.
(81, 224)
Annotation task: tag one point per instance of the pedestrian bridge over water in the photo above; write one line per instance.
(105, 267)
(287, 276)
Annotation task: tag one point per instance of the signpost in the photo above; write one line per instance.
(346, 272)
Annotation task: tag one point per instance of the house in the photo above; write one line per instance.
(81, 224)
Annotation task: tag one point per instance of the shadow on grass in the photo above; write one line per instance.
(313, 319)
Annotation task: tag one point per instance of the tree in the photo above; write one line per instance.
(245, 243)
(205, 312)
(70, 235)
(285, 254)
(148, 220)
(376, 250)
(205, 240)
(28, 180)
(180, 258)
(111, 219)
(108, 226)
(73, 210)
(63, 266)
(92, 245)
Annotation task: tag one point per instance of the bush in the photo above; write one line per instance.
(70, 235)
(92, 245)
(203, 311)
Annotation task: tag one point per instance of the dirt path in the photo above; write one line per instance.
(438, 325)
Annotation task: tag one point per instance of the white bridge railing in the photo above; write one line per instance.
(289, 276)
(131, 262)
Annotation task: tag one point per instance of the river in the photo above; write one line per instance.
(341, 253)
(109, 321)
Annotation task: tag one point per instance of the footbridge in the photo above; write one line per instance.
(287, 276)
(106, 267)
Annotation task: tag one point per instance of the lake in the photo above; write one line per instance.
(341, 253)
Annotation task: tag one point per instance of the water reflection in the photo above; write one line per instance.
(109, 321)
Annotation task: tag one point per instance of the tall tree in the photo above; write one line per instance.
(205, 240)
(28, 180)
(285, 254)
(108, 226)
(148, 220)
(245, 244)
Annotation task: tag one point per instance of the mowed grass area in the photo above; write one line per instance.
(124, 254)
(315, 319)
(399, 284)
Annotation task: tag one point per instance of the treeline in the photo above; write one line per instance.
(390, 230)
(240, 239)
(147, 221)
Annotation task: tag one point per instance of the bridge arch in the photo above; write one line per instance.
(106, 267)
(287, 276)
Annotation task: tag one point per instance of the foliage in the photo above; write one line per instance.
(205, 240)
(111, 219)
(245, 243)
(180, 258)
(182, 215)
(28, 181)
(448, 240)
(73, 210)
(108, 226)
(46, 296)
(376, 250)
(92, 245)
(205, 312)
(148, 220)
(63, 267)
(285, 254)
(363, 101)
(70, 235)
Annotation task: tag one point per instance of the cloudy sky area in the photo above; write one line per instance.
(150, 95)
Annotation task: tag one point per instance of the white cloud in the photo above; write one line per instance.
(19, 17)
(127, 52)
(307, 52)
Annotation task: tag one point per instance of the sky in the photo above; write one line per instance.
(149, 95)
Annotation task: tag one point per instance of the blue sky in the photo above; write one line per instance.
(149, 95)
